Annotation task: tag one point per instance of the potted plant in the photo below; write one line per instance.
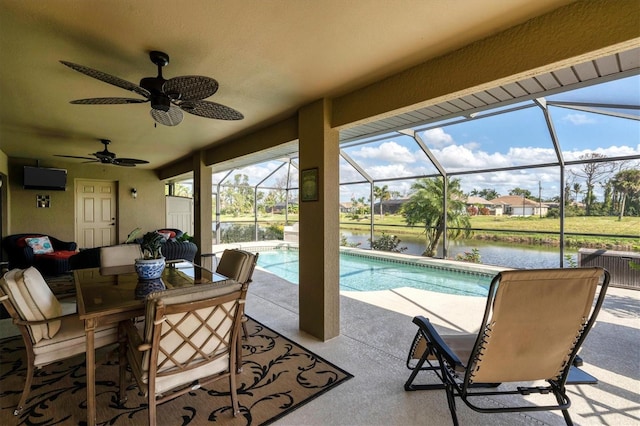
(151, 264)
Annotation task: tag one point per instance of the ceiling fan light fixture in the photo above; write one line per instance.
(172, 117)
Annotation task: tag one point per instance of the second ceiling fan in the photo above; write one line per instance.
(107, 157)
(168, 98)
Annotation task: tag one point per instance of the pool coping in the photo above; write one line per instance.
(409, 259)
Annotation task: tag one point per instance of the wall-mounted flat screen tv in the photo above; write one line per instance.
(45, 178)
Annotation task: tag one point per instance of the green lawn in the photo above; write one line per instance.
(589, 225)
(585, 225)
(507, 227)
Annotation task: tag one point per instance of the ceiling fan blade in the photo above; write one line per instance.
(131, 161)
(108, 101)
(210, 110)
(173, 117)
(75, 156)
(107, 78)
(118, 163)
(190, 87)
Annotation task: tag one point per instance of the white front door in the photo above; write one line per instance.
(95, 213)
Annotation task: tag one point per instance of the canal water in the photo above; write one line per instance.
(491, 252)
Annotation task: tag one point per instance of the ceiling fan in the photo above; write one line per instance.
(107, 157)
(168, 98)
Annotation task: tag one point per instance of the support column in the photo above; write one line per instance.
(319, 227)
(202, 208)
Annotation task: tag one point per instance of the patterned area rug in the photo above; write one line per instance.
(61, 285)
(278, 376)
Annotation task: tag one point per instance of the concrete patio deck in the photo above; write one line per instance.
(376, 332)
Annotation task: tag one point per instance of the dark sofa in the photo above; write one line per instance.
(172, 249)
(20, 255)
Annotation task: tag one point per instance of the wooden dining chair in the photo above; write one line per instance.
(188, 341)
(239, 266)
(48, 335)
(119, 259)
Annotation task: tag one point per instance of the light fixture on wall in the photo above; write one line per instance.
(43, 201)
(134, 193)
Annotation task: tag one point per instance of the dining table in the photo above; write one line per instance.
(111, 298)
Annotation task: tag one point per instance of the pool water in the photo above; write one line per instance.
(365, 274)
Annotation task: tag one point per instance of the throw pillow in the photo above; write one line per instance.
(22, 241)
(40, 245)
(171, 236)
(165, 235)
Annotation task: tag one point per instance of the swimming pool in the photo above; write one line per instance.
(362, 273)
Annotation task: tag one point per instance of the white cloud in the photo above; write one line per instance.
(389, 171)
(387, 151)
(578, 119)
(612, 151)
(437, 137)
(455, 158)
(531, 155)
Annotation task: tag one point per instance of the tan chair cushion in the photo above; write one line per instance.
(33, 300)
(536, 317)
(119, 259)
(71, 340)
(235, 264)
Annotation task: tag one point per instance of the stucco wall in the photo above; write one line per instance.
(146, 211)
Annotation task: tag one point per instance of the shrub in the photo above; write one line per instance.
(345, 243)
(469, 256)
(274, 232)
(387, 243)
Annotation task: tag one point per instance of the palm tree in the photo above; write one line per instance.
(577, 189)
(425, 206)
(627, 183)
(381, 194)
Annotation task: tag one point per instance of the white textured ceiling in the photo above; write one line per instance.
(270, 58)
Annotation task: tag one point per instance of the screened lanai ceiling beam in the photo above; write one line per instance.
(445, 187)
(270, 174)
(627, 71)
(542, 103)
(593, 105)
(369, 179)
(425, 149)
(356, 166)
(594, 108)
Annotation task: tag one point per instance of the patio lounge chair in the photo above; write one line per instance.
(189, 340)
(534, 324)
